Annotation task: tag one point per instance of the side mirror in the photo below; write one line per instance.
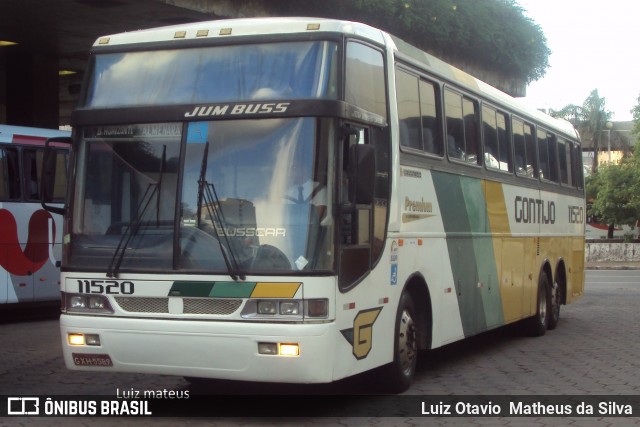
(362, 174)
(48, 174)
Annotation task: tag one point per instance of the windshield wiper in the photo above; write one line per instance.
(207, 193)
(134, 226)
(130, 231)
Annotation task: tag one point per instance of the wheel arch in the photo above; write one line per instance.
(416, 286)
(546, 270)
(561, 279)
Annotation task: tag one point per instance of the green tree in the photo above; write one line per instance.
(635, 111)
(494, 34)
(614, 190)
(590, 119)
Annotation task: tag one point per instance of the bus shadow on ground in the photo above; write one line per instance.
(29, 312)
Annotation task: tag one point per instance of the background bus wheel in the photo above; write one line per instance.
(538, 324)
(554, 306)
(401, 371)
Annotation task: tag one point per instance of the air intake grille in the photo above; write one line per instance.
(211, 306)
(143, 305)
(217, 306)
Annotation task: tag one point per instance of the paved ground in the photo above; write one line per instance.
(594, 351)
(613, 265)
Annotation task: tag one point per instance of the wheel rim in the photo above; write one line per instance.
(555, 300)
(407, 344)
(542, 305)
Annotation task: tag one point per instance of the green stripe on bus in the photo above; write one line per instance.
(471, 252)
(190, 289)
(487, 268)
(232, 289)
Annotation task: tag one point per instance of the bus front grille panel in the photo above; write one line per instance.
(143, 305)
(218, 306)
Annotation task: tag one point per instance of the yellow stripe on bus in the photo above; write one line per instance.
(275, 290)
(496, 208)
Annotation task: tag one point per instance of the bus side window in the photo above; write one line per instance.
(543, 154)
(518, 144)
(9, 174)
(455, 130)
(525, 149)
(504, 144)
(32, 164)
(576, 166)
(470, 131)
(530, 149)
(408, 110)
(565, 162)
(365, 78)
(430, 118)
(462, 127)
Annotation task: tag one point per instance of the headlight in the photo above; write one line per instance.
(278, 309)
(290, 308)
(81, 303)
(267, 307)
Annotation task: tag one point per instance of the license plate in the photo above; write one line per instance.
(97, 360)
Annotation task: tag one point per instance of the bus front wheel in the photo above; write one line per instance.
(401, 371)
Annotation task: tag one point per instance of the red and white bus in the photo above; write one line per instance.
(30, 237)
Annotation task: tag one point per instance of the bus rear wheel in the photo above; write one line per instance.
(538, 324)
(554, 304)
(401, 371)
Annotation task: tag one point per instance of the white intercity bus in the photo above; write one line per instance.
(301, 200)
(30, 237)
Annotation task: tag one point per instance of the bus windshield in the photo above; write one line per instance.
(293, 70)
(248, 197)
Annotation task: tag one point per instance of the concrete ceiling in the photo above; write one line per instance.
(66, 30)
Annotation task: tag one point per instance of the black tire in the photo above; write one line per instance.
(538, 324)
(554, 304)
(401, 371)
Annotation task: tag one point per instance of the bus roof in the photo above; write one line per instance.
(241, 27)
(273, 26)
(28, 135)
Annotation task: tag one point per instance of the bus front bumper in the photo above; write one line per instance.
(206, 349)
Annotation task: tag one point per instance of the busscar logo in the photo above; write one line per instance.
(23, 406)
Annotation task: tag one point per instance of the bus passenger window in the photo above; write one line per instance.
(491, 148)
(32, 165)
(408, 110)
(9, 174)
(470, 131)
(504, 146)
(462, 127)
(543, 154)
(553, 157)
(576, 166)
(455, 130)
(519, 147)
(530, 148)
(548, 152)
(565, 162)
(430, 119)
